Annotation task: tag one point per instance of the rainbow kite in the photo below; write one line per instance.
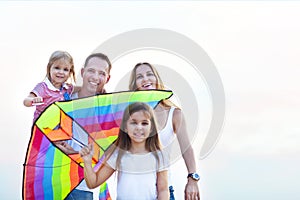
(49, 173)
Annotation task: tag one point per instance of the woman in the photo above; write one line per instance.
(171, 123)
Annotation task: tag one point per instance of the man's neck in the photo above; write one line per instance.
(83, 93)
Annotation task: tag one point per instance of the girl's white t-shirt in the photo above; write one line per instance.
(137, 174)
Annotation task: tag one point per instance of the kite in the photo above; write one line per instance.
(49, 172)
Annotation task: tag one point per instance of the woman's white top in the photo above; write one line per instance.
(167, 137)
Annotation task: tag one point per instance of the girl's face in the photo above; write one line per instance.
(59, 72)
(138, 127)
(145, 78)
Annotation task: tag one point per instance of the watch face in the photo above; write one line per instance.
(194, 176)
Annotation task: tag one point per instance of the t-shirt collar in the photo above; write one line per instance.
(51, 86)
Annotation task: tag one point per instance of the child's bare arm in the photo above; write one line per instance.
(162, 185)
(94, 179)
(32, 98)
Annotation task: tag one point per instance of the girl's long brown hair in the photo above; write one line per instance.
(123, 142)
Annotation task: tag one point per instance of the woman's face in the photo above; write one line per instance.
(145, 78)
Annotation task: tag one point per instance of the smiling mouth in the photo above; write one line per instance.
(94, 83)
(147, 85)
(139, 135)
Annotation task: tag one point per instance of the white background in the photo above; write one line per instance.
(254, 45)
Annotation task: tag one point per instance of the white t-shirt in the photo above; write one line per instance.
(137, 175)
(84, 139)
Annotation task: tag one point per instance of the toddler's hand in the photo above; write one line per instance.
(37, 101)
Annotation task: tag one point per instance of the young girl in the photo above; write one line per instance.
(135, 155)
(54, 88)
(171, 125)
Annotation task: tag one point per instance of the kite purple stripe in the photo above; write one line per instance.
(39, 171)
(100, 119)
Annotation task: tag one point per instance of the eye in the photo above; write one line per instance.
(145, 123)
(139, 77)
(66, 69)
(56, 67)
(150, 74)
(92, 71)
(102, 73)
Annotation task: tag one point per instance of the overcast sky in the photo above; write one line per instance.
(254, 46)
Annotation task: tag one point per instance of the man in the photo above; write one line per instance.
(95, 74)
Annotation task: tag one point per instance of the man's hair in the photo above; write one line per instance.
(101, 56)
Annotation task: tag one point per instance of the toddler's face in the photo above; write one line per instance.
(59, 72)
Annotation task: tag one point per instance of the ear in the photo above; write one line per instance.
(108, 77)
(82, 71)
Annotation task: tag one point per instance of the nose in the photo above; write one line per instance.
(139, 126)
(61, 71)
(96, 76)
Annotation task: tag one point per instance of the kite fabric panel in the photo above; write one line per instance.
(50, 173)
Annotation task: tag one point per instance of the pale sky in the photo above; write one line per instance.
(254, 46)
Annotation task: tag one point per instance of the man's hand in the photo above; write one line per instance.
(65, 147)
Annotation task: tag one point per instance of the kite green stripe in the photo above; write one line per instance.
(65, 179)
(114, 98)
(56, 176)
(106, 142)
(50, 118)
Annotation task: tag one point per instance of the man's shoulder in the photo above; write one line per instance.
(74, 95)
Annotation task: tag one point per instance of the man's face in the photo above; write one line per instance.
(95, 75)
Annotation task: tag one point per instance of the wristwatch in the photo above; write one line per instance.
(194, 176)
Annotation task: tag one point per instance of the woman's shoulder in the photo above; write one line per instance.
(177, 114)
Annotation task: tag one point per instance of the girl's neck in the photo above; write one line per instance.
(138, 148)
(57, 85)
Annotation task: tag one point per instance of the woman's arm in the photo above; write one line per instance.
(162, 185)
(94, 179)
(179, 125)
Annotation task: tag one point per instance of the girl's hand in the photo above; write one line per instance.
(37, 101)
(87, 153)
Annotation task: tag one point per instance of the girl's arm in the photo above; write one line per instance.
(191, 188)
(32, 98)
(94, 179)
(162, 185)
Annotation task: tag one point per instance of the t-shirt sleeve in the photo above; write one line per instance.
(39, 90)
(112, 160)
(164, 161)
